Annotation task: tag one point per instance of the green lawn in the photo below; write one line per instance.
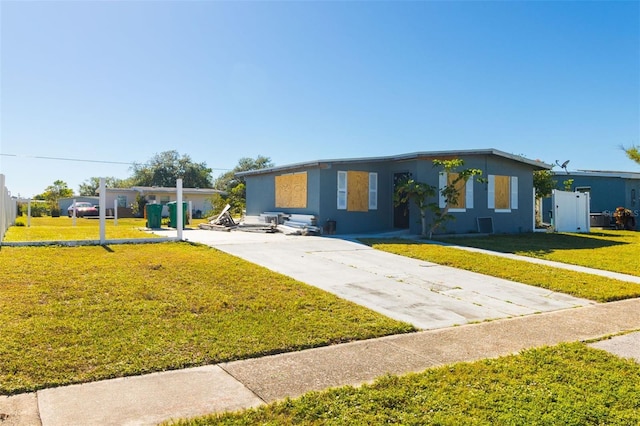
(569, 384)
(588, 286)
(78, 314)
(63, 229)
(611, 250)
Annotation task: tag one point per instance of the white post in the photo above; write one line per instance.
(179, 212)
(115, 212)
(74, 212)
(4, 197)
(29, 214)
(103, 210)
(190, 211)
(535, 204)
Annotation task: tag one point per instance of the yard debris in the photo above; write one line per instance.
(299, 224)
(223, 222)
(268, 222)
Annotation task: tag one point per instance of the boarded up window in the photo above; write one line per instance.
(291, 190)
(357, 191)
(502, 192)
(460, 188)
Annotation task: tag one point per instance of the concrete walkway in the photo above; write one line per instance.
(149, 399)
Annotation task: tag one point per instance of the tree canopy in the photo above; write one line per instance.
(543, 183)
(633, 152)
(53, 193)
(166, 168)
(234, 187)
(90, 186)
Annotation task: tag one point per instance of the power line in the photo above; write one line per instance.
(80, 160)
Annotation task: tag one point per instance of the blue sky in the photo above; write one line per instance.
(296, 81)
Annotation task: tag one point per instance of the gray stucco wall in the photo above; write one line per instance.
(379, 219)
(261, 193)
(516, 221)
(322, 195)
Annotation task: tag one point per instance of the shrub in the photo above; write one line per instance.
(37, 209)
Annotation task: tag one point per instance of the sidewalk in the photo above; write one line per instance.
(153, 398)
(433, 297)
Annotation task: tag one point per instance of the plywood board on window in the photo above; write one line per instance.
(502, 192)
(460, 188)
(291, 190)
(357, 191)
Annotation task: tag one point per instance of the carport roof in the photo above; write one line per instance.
(162, 189)
(536, 164)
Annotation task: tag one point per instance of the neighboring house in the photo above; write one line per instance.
(607, 189)
(358, 193)
(200, 198)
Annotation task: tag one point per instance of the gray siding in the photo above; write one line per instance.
(322, 184)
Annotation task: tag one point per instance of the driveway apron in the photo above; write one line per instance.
(425, 294)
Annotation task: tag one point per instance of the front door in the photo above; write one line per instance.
(401, 211)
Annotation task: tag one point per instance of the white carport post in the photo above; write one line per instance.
(115, 212)
(103, 210)
(179, 212)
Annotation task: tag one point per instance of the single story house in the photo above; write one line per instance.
(200, 198)
(607, 191)
(357, 195)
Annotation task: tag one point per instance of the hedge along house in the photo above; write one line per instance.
(608, 190)
(358, 194)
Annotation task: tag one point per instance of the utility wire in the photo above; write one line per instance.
(80, 160)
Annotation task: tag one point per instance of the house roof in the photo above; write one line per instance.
(402, 157)
(600, 173)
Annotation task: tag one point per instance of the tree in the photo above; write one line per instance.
(426, 197)
(53, 193)
(166, 168)
(544, 184)
(234, 187)
(633, 152)
(90, 186)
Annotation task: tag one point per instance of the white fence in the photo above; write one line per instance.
(571, 211)
(8, 208)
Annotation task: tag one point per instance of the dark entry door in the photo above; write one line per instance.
(401, 211)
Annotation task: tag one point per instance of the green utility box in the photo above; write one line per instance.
(173, 214)
(154, 215)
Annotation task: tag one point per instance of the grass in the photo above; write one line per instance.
(63, 229)
(610, 250)
(78, 314)
(569, 384)
(588, 286)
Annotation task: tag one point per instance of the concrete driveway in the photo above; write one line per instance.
(425, 294)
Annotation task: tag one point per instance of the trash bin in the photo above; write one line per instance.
(173, 214)
(154, 215)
